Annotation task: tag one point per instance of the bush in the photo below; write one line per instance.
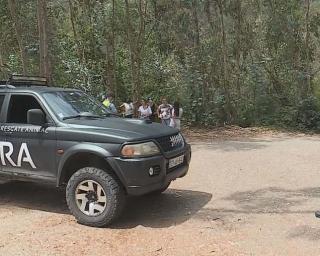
(308, 116)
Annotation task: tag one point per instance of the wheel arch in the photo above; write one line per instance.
(81, 156)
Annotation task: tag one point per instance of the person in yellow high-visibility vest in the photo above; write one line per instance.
(108, 103)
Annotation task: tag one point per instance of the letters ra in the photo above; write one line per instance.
(6, 150)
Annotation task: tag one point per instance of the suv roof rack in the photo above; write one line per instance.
(21, 80)
(5, 84)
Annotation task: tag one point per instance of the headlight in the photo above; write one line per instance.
(140, 150)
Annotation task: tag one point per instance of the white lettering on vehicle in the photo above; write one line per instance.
(6, 150)
(22, 129)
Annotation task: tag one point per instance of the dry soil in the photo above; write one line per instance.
(244, 195)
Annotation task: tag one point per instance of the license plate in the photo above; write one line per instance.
(176, 161)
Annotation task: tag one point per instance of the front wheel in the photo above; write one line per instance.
(94, 197)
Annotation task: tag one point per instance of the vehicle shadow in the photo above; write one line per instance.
(306, 232)
(158, 211)
(238, 208)
(271, 200)
(168, 209)
(33, 196)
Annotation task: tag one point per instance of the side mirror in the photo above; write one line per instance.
(36, 117)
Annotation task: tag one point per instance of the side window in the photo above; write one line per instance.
(19, 106)
(1, 101)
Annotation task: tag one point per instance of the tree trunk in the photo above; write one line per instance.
(114, 61)
(157, 20)
(196, 22)
(79, 46)
(1, 57)
(18, 31)
(211, 66)
(135, 46)
(2, 64)
(307, 88)
(74, 30)
(238, 47)
(45, 65)
(203, 91)
(110, 67)
(229, 108)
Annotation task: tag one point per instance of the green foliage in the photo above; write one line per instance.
(242, 62)
(308, 114)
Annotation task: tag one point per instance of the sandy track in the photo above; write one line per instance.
(253, 196)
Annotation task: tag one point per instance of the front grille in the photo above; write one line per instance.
(171, 142)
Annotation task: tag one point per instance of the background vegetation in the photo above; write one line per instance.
(246, 62)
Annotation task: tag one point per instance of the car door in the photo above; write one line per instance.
(29, 150)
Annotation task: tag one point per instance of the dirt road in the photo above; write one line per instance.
(253, 196)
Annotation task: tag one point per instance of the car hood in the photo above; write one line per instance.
(118, 129)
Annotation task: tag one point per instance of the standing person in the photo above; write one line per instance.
(128, 109)
(108, 103)
(164, 112)
(176, 115)
(153, 109)
(144, 110)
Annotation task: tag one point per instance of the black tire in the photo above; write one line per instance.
(161, 190)
(114, 194)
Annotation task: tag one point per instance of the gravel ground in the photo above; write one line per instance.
(251, 196)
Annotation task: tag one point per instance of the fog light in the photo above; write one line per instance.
(154, 170)
(151, 171)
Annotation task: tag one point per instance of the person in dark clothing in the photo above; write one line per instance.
(176, 114)
(153, 110)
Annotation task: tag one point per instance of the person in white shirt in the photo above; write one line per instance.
(128, 109)
(164, 112)
(144, 110)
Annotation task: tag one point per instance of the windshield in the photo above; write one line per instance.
(74, 103)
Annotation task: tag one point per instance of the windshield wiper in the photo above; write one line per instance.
(84, 114)
(108, 114)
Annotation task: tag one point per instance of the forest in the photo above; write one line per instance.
(241, 62)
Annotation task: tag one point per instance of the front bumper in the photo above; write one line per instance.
(134, 173)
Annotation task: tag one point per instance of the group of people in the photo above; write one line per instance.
(170, 115)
